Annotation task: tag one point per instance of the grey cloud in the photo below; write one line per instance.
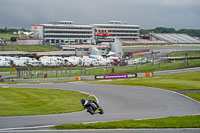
(146, 13)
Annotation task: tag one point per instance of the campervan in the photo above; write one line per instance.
(4, 63)
(72, 61)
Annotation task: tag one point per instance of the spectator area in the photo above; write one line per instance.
(142, 41)
(173, 38)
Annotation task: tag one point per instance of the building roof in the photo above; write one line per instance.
(52, 53)
(67, 25)
(85, 46)
(125, 25)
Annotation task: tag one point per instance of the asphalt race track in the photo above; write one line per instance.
(118, 102)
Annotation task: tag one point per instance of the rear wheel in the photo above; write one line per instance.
(90, 110)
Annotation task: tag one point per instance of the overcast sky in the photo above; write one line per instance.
(146, 13)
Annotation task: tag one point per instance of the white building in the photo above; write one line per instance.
(118, 29)
(66, 32)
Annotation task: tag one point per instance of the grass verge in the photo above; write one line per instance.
(195, 96)
(27, 101)
(30, 48)
(183, 54)
(170, 122)
(185, 81)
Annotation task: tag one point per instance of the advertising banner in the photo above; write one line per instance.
(115, 76)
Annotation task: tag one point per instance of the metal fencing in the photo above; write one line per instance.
(59, 72)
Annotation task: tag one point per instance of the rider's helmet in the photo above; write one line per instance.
(83, 101)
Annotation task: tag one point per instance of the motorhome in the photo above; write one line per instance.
(72, 61)
(4, 63)
(50, 61)
(33, 62)
(19, 62)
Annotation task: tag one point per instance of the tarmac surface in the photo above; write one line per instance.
(118, 102)
(182, 130)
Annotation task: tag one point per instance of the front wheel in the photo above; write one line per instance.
(100, 111)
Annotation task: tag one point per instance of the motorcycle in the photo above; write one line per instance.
(93, 109)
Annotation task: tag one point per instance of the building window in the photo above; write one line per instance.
(86, 49)
(57, 41)
(52, 41)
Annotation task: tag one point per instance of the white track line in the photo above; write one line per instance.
(105, 80)
(5, 86)
(45, 83)
(90, 95)
(22, 84)
(22, 128)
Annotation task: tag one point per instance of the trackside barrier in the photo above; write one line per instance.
(147, 75)
(55, 79)
(144, 74)
(115, 76)
(77, 78)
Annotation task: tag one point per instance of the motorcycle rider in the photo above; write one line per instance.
(88, 102)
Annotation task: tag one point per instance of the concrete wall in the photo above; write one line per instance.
(54, 79)
(30, 42)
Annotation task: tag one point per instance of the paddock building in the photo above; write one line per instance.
(66, 32)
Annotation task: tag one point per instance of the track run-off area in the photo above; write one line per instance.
(119, 103)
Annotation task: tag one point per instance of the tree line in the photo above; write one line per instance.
(10, 31)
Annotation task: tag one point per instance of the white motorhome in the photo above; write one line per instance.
(33, 62)
(87, 61)
(4, 63)
(19, 62)
(72, 61)
(101, 61)
(50, 61)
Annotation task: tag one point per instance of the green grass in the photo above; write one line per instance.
(182, 54)
(195, 96)
(170, 122)
(8, 36)
(27, 101)
(185, 81)
(7, 69)
(12, 35)
(168, 66)
(30, 48)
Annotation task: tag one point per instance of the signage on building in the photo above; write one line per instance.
(102, 34)
(105, 40)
